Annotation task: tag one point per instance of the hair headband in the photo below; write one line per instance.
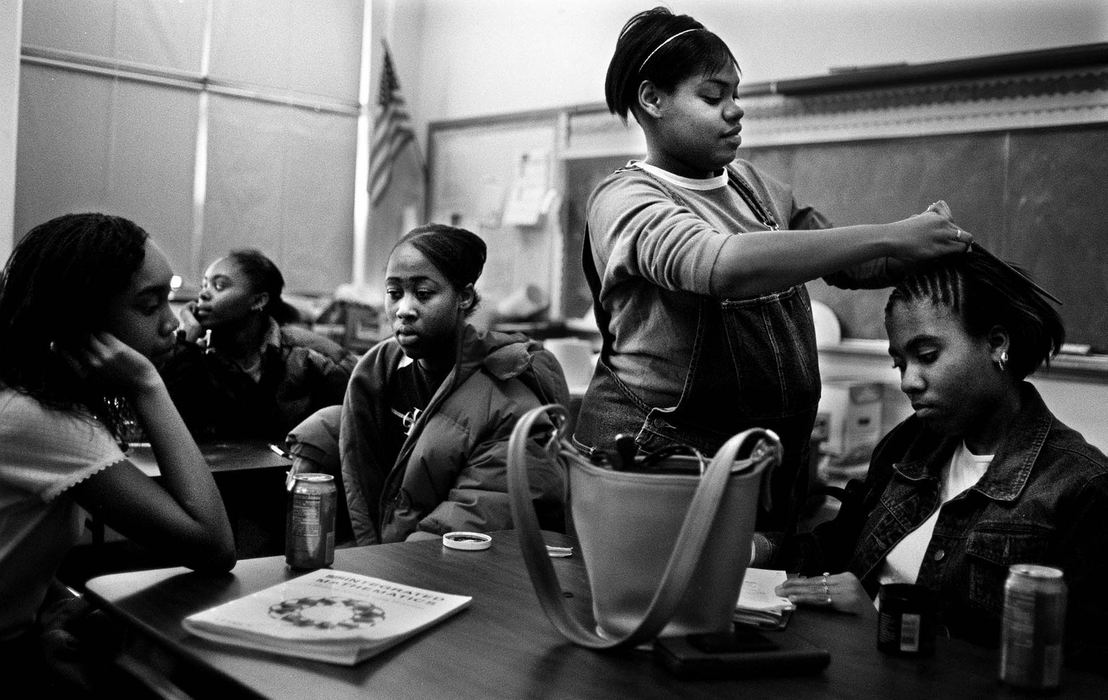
(651, 54)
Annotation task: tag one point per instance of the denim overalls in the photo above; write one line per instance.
(753, 364)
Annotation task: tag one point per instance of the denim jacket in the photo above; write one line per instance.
(1043, 500)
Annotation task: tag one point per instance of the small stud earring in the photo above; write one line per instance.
(1002, 362)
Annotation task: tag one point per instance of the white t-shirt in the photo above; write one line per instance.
(903, 561)
(43, 452)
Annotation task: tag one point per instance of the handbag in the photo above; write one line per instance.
(665, 550)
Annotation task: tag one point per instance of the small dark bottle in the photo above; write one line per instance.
(906, 620)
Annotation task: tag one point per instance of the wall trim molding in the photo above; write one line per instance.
(1042, 99)
(185, 80)
(1031, 90)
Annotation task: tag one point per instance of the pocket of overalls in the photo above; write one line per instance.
(773, 348)
(610, 408)
(991, 549)
(659, 431)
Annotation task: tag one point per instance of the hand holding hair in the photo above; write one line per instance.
(941, 208)
(930, 234)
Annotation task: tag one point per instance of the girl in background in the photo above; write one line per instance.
(84, 313)
(242, 371)
(981, 477)
(697, 263)
(427, 418)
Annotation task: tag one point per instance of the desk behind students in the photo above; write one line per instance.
(223, 457)
(502, 645)
(250, 475)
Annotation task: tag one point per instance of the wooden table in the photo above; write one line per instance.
(502, 646)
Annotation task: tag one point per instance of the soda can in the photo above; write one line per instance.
(1033, 627)
(310, 521)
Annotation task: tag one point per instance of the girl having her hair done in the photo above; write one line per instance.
(697, 263)
(428, 415)
(242, 371)
(83, 313)
(981, 477)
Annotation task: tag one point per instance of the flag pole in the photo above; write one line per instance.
(362, 210)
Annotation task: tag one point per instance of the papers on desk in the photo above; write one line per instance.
(326, 615)
(758, 605)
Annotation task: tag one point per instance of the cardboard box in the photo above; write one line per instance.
(852, 409)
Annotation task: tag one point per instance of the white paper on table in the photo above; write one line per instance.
(757, 591)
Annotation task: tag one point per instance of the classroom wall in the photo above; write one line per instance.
(465, 58)
(214, 124)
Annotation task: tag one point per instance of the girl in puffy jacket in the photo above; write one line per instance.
(428, 413)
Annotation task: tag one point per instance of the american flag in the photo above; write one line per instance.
(392, 130)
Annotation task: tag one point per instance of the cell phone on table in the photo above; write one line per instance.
(745, 652)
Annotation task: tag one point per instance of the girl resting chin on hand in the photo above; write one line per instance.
(84, 312)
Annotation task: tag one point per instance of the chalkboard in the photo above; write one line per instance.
(1036, 197)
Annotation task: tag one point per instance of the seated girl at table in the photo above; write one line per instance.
(242, 371)
(84, 313)
(427, 417)
(981, 477)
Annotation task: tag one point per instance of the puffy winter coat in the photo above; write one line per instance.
(451, 472)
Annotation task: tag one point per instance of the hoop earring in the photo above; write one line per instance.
(1002, 362)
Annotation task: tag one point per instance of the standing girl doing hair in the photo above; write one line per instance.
(428, 415)
(83, 313)
(697, 263)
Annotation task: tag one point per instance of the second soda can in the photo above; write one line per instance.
(1033, 627)
(310, 522)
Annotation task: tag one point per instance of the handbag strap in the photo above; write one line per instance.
(682, 561)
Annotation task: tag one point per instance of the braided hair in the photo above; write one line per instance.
(985, 293)
(55, 291)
